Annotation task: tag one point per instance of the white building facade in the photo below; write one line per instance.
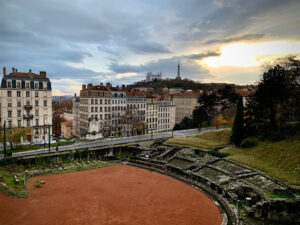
(26, 101)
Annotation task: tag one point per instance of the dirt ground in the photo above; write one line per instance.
(116, 195)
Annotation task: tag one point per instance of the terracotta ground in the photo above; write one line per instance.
(113, 195)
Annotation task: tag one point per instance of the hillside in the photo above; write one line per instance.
(204, 141)
(277, 159)
(184, 83)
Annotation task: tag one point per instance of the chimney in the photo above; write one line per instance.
(83, 87)
(16, 70)
(13, 69)
(89, 85)
(101, 84)
(29, 70)
(75, 96)
(108, 85)
(4, 70)
(123, 87)
(43, 74)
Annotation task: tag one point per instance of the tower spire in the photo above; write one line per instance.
(178, 72)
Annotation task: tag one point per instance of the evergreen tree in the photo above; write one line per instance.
(238, 125)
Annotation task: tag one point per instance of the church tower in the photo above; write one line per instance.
(178, 72)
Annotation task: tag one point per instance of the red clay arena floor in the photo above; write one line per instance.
(113, 195)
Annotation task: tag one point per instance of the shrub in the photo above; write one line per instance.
(218, 154)
(37, 184)
(248, 143)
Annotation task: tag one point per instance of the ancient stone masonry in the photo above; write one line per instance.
(231, 180)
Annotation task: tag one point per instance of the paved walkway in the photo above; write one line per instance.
(109, 142)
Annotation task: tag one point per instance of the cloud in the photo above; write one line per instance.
(247, 37)
(93, 41)
(145, 48)
(202, 55)
(168, 66)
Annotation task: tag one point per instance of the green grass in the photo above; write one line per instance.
(277, 159)
(273, 195)
(203, 141)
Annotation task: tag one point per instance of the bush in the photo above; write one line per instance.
(37, 184)
(248, 143)
(218, 154)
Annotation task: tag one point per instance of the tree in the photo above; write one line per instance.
(238, 125)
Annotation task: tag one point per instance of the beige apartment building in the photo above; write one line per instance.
(26, 101)
(166, 116)
(184, 103)
(151, 114)
(95, 111)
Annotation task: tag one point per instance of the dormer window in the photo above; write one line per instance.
(27, 84)
(9, 84)
(18, 84)
(36, 85)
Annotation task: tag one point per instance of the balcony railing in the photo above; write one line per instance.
(25, 116)
(28, 107)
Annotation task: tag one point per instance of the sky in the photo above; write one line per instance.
(119, 41)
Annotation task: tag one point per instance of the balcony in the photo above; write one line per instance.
(28, 117)
(28, 107)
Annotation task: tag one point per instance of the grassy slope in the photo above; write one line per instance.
(277, 159)
(204, 141)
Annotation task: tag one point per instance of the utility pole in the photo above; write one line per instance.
(49, 137)
(4, 139)
(44, 134)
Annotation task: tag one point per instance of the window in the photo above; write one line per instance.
(36, 94)
(9, 113)
(9, 124)
(28, 122)
(19, 113)
(27, 94)
(36, 130)
(19, 103)
(36, 112)
(36, 103)
(18, 93)
(9, 84)
(36, 85)
(37, 122)
(45, 102)
(8, 93)
(100, 101)
(27, 102)
(92, 101)
(9, 104)
(19, 123)
(27, 84)
(18, 84)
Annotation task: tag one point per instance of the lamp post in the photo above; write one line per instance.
(4, 139)
(44, 134)
(49, 137)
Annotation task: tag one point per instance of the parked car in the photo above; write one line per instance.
(25, 143)
(41, 142)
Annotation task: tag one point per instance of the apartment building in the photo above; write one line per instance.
(118, 110)
(26, 101)
(151, 114)
(95, 111)
(165, 116)
(135, 113)
(185, 104)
